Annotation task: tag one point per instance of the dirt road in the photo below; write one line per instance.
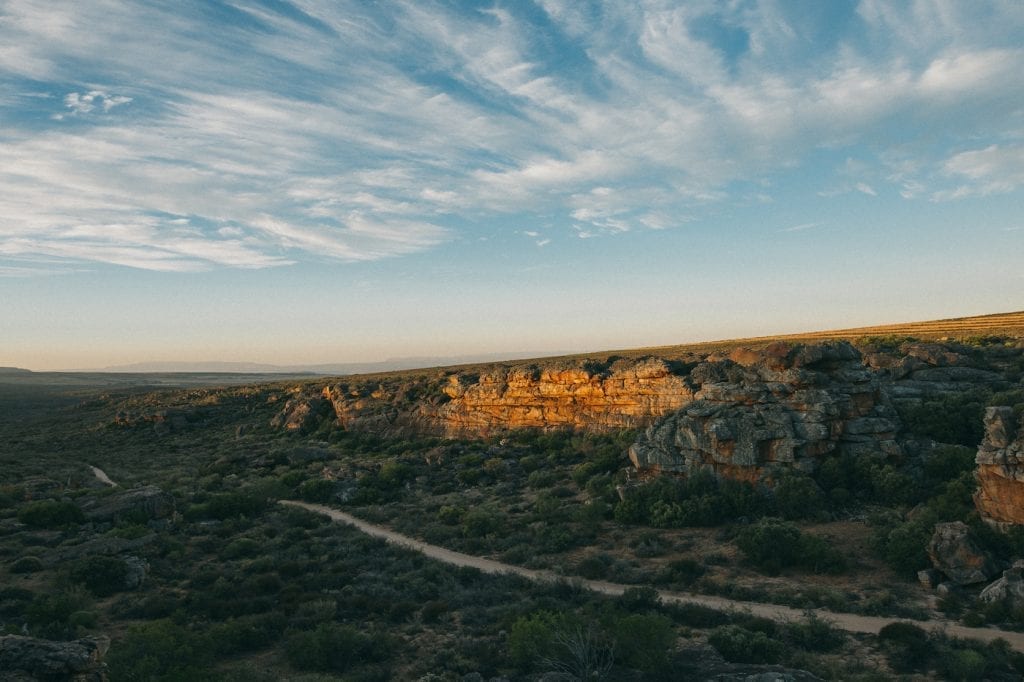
(101, 476)
(845, 621)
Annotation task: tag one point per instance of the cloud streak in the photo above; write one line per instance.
(256, 135)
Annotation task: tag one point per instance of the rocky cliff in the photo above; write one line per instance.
(629, 394)
(757, 412)
(1000, 472)
(745, 413)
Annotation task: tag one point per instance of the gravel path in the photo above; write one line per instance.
(102, 476)
(846, 621)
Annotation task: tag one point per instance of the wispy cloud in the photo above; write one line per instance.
(354, 131)
(801, 227)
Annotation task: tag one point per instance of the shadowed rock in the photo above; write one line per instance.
(29, 658)
(955, 551)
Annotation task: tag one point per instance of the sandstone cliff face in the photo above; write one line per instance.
(628, 397)
(758, 412)
(1000, 473)
(745, 413)
(631, 394)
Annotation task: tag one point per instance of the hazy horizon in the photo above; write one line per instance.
(301, 183)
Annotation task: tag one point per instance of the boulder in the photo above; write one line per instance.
(299, 413)
(758, 413)
(139, 505)
(1008, 589)
(29, 658)
(955, 551)
(1000, 468)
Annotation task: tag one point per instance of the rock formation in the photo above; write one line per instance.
(629, 395)
(1009, 589)
(747, 414)
(139, 504)
(1000, 472)
(29, 658)
(955, 552)
(299, 413)
(786, 406)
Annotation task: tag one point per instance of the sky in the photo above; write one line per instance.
(307, 181)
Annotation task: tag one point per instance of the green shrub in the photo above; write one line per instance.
(739, 645)
(101, 575)
(317, 490)
(27, 564)
(955, 419)
(450, 515)
(240, 548)
(160, 650)
(638, 599)
(531, 638)
(477, 523)
(49, 614)
(815, 634)
(333, 648)
(773, 545)
(643, 641)
(797, 496)
(908, 647)
(593, 567)
(50, 514)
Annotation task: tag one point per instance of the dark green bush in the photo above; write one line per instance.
(48, 614)
(160, 650)
(333, 648)
(101, 575)
(797, 496)
(908, 647)
(739, 645)
(815, 634)
(773, 545)
(50, 514)
(700, 500)
(317, 490)
(955, 419)
(27, 564)
(643, 641)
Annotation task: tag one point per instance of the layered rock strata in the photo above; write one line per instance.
(629, 395)
(758, 412)
(1000, 472)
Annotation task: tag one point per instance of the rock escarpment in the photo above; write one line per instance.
(29, 658)
(1000, 472)
(757, 412)
(627, 395)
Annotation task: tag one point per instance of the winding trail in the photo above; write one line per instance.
(850, 622)
(101, 476)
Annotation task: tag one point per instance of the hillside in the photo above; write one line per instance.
(814, 471)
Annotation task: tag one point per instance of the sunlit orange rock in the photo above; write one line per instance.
(1000, 472)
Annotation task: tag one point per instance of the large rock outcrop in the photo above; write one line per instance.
(756, 412)
(138, 504)
(955, 552)
(1000, 472)
(627, 395)
(29, 658)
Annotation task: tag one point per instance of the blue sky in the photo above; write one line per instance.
(298, 182)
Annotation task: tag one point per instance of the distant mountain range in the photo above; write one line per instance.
(389, 365)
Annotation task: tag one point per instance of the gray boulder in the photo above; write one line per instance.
(29, 658)
(139, 504)
(955, 551)
(1007, 589)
